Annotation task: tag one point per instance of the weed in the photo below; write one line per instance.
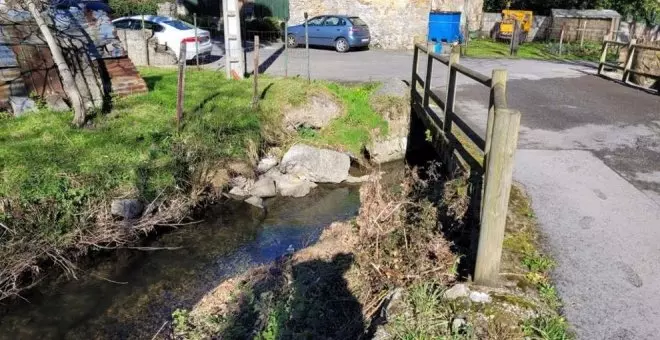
(538, 263)
(549, 295)
(547, 328)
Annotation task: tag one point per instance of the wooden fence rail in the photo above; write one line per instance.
(490, 159)
(627, 66)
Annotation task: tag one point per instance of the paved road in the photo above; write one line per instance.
(589, 156)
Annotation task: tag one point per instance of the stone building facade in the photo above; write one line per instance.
(394, 24)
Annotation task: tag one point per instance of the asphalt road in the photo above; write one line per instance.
(589, 156)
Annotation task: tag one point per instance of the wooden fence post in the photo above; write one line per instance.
(561, 40)
(255, 97)
(454, 58)
(499, 78)
(629, 59)
(584, 30)
(499, 176)
(196, 40)
(413, 79)
(603, 57)
(181, 85)
(427, 80)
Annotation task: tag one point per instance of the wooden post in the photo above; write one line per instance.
(181, 85)
(196, 40)
(413, 78)
(561, 40)
(498, 78)
(286, 48)
(584, 30)
(255, 96)
(427, 81)
(629, 59)
(451, 87)
(513, 50)
(499, 175)
(603, 57)
(146, 42)
(307, 47)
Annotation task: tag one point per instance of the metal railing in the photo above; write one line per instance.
(489, 159)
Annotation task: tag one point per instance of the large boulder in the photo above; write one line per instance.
(264, 187)
(266, 164)
(126, 208)
(290, 185)
(315, 164)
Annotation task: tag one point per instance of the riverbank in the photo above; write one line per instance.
(60, 183)
(389, 274)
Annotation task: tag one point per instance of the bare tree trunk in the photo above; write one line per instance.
(65, 72)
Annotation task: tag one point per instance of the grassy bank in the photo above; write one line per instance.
(58, 181)
(385, 275)
(487, 48)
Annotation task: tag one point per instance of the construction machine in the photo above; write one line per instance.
(504, 29)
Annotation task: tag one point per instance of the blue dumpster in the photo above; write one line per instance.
(445, 26)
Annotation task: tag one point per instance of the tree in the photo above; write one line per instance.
(79, 110)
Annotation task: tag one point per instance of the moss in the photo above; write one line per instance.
(515, 300)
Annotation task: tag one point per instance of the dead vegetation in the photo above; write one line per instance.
(23, 258)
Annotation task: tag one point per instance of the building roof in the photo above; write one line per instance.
(585, 13)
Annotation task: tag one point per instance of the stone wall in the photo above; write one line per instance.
(647, 61)
(394, 24)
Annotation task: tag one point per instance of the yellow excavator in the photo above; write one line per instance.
(504, 29)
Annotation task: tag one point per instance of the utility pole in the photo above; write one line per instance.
(234, 63)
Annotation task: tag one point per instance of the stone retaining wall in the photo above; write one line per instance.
(394, 24)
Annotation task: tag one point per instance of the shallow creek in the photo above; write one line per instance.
(130, 294)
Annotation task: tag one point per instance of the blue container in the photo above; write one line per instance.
(445, 26)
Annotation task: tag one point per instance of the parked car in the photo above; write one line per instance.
(170, 32)
(339, 31)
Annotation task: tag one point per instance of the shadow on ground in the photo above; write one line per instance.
(309, 300)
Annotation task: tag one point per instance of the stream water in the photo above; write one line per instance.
(130, 294)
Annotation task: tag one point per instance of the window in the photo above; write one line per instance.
(332, 21)
(124, 24)
(357, 21)
(315, 21)
(152, 26)
(180, 25)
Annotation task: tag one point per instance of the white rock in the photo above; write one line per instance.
(289, 185)
(458, 291)
(239, 192)
(22, 105)
(315, 164)
(480, 297)
(266, 164)
(255, 201)
(126, 208)
(355, 180)
(388, 150)
(457, 325)
(264, 187)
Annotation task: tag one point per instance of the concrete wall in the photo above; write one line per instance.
(394, 24)
(144, 50)
(539, 31)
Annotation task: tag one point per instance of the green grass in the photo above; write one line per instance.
(486, 48)
(353, 130)
(547, 328)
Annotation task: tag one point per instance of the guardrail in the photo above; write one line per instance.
(490, 159)
(627, 66)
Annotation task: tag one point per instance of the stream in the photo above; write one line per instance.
(132, 293)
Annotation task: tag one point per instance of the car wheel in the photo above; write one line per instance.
(291, 41)
(341, 45)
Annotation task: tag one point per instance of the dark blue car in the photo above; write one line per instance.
(339, 31)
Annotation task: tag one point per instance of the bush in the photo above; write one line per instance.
(121, 8)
